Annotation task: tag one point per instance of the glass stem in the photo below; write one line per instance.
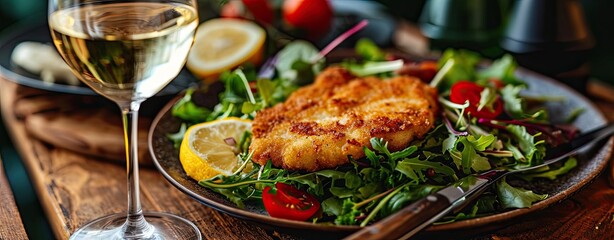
(135, 227)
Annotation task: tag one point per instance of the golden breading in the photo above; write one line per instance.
(320, 125)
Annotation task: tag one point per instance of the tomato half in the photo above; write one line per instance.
(313, 16)
(289, 202)
(465, 90)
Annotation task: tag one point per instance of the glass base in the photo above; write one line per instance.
(165, 226)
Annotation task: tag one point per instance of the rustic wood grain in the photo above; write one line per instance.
(73, 130)
(75, 188)
(11, 226)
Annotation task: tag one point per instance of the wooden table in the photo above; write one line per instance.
(10, 220)
(75, 188)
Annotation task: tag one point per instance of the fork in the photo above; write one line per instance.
(422, 213)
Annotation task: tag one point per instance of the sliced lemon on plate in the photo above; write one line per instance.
(222, 44)
(207, 148)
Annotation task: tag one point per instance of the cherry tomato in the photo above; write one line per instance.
(465, 90)
(261, 10)
(289, 202)
(313, 16)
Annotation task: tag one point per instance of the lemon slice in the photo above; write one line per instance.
(222, 44)
(206, 149)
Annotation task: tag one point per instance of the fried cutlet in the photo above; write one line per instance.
(320, 125)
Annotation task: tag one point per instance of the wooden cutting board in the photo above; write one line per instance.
(88, 125)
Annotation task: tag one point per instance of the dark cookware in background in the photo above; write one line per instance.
(470, 24)
(552, 38)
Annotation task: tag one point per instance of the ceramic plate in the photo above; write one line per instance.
(591, 162)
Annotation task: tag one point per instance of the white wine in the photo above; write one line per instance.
(125, 51)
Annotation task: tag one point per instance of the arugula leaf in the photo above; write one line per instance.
(303, 73)
(310, 180)
(462, 67)
(230, 194)
(352, 181)
(372, 157)
(348, 213)
(407, 196)
(457, 158)
(481, 143)
(488, 96)
(449, 143)
(333, 174)
(516, 153)
(571, 163)
(513, 197)
(368, 190)
(513, 103)
(341, 192)
(266, 89)
(414, 168)
(533, 151)
(178, 136)
(188, 110)
(486, 204)
(332, 206)
(503, 69)
(294, 62)
(470, 159)
(369, 50)
(395, 156)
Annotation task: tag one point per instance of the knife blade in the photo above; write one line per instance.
(422, 213)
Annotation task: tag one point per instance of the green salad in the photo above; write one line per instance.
(485, 123)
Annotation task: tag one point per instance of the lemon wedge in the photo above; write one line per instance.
(222, 44)
(207, 148)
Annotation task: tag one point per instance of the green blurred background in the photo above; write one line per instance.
(34, 220)
(598, 13)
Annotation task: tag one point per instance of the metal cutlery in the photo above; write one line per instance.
(422, 213)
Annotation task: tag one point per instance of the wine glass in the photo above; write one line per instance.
(127, 51)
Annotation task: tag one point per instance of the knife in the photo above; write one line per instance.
(422, 213)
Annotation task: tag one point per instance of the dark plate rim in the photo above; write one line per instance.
(17, 30)
(603, 154)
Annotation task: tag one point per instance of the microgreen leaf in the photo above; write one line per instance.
(417, 166)
(513, 197)
(513, 103)
(332, 206)
(178, 136)
(532, 150)
(187, 110)
(482, 142)
(369, 50)
(503, 69)
(488, 96)
(295, 59)
(373, 68)
(471, 160)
